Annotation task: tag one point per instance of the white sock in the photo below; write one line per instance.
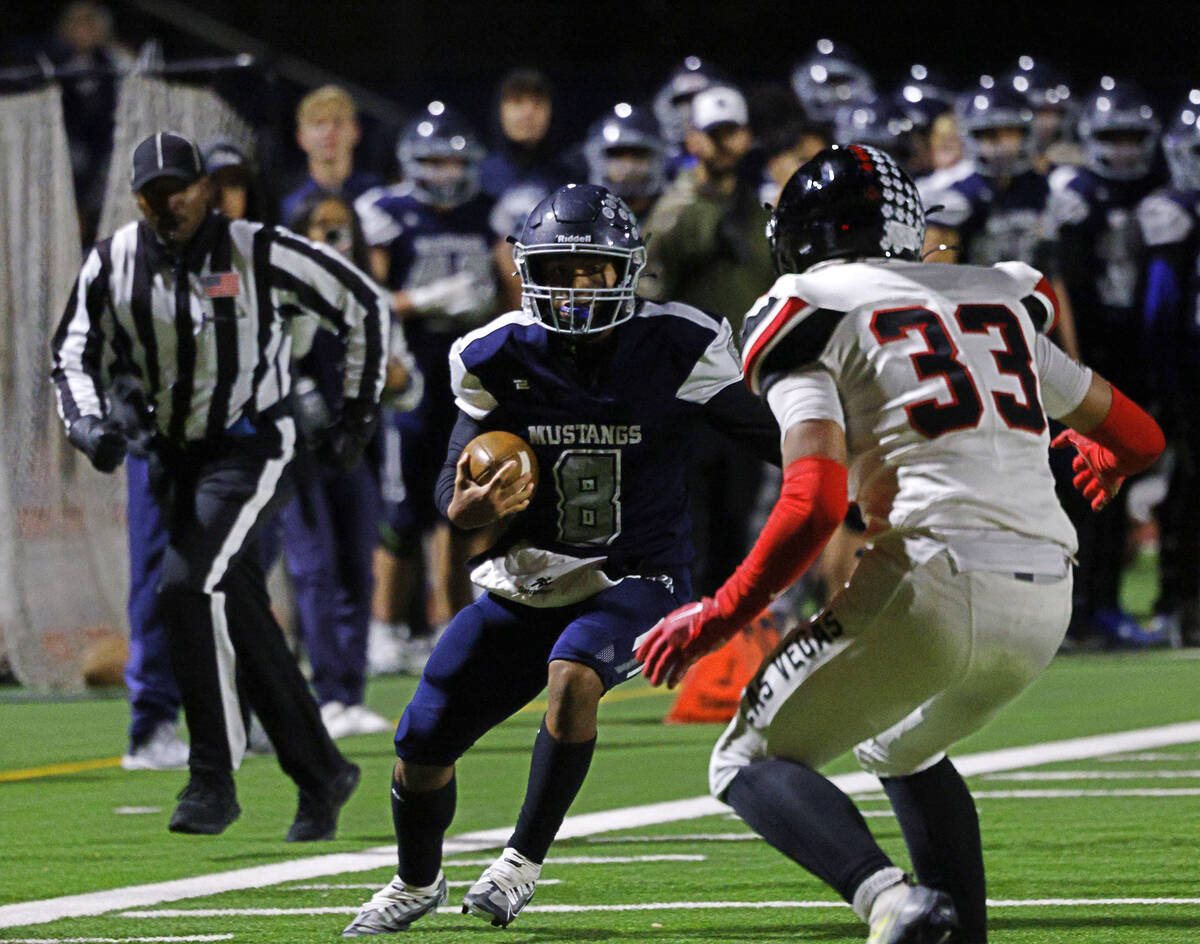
(872, 889)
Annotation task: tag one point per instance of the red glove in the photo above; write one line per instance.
(681, 638)
(1095, 468)
(1126, 441)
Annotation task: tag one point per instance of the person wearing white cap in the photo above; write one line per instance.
(705, 248)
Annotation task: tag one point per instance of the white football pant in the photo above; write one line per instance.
(907, 659)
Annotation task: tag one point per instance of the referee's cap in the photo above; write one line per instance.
(165, 154)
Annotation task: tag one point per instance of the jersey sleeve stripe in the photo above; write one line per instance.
(1042, 306)
(794, 338)
(762, 339)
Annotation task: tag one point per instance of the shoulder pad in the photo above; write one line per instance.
(1163, 221)
(784, 332)
(1067, 206)
(955, 207)
(378, 225)
(697, 316)
(1035, 292)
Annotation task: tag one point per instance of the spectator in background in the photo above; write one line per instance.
(1102, 256)
(327, 130)
(673, 107)
(331, 529)
(705, 247)
(523, 166)
(432, 246)
(1169, 220)
(84, 49)
(523, 150)
(784, 136)
(237, 192)
(625, 152)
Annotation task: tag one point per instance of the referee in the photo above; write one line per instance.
(176, 342)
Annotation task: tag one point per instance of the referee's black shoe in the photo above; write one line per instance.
(207, 804)
(317, 816)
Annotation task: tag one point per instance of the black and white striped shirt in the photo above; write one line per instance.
(207, 334)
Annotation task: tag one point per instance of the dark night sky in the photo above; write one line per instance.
(600, 52)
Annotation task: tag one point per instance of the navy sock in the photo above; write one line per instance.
(809, 820)
(421, 821)
(556, 773)
(941, 829)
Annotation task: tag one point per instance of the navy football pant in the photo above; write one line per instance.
(153, 694)
(492, 660)
(329, 535)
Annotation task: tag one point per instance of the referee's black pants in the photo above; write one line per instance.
(212, 600)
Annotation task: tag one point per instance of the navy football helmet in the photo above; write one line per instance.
(440, 132)
(924, 95)
(849, 201)
(581, 224)
(1119, 130)
(994, 106)
(1181, 144)
(881, 123)
(626, 152)
(1048, 93)
(828, 78)
(673, 101)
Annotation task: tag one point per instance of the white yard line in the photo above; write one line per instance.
(1148, 756)
(642, 906)
(1034, 776)
(116, 940)
(589, 860)
(586, 824)
(1053, 794)
(374, 886)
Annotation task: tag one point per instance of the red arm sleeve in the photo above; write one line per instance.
(812, 502)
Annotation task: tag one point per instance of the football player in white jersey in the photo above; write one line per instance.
(921, 391)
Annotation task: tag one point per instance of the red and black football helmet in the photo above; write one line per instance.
(851, 201)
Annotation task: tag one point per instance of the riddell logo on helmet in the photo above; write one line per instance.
(561, 238)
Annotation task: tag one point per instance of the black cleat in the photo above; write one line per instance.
(206, 805)
(316, 816)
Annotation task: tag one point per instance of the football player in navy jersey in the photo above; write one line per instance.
(609, 391)
(433, 247)
(1100, 257)
(995, 213)
(1169, 221)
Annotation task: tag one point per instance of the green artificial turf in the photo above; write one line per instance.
(61, 834)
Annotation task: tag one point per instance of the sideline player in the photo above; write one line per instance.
(433, 248)
(609, 390)
(922, 390)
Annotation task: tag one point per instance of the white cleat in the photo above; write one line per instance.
(397, 905)
(504, 888)
(912, 914)
(360, 719)
(162, 750)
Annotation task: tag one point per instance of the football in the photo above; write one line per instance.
(489, 451)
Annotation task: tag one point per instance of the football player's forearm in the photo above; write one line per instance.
(812, 503)
(465, 429)
(1124, 428)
